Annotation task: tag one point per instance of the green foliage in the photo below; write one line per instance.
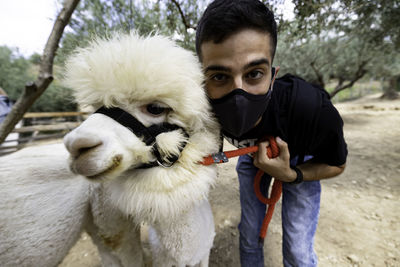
(102, 18)
(35, 58)
(16, 71)
(342, 40)
(380, 17)
(319, 59)
(13, 72)
(55, 98)
(377, 20)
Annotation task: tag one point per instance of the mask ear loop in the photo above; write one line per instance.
(274, 74)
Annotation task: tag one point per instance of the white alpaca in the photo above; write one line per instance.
(44, 206)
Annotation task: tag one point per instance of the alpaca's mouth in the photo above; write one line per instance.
(116, 161)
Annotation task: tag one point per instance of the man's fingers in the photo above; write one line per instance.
(283, 147)
(262, 148)
(261, 155)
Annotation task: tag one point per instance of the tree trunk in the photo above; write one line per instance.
(391, 92)
(341, 85)
(33, 90)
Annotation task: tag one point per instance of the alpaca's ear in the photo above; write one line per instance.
(170, 145)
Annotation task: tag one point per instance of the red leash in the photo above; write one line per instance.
(276, 191)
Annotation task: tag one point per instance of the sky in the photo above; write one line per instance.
(26, 24)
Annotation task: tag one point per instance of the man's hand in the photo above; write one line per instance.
(278, 167)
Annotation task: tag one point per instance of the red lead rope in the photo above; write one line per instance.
(276, 191)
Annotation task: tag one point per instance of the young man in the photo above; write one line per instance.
(236, 41)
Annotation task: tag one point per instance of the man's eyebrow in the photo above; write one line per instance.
(256, 63)
(217, 68)
(248, 65)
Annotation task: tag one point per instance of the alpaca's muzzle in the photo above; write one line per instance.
(149, 134)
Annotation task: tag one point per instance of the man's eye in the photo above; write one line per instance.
(219, 77)
(155, 109)
(255, 74)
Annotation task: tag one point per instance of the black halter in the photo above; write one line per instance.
(148, 134)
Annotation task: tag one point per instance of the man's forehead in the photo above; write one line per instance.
(241, 48)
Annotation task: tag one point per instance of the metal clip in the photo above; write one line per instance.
(164, 164)
(219, 157)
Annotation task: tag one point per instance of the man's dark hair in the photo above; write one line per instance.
(222, 18)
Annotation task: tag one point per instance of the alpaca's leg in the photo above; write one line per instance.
(116, 236)
(205, 260)
(185, 240)
(119, 249)
(160, 255)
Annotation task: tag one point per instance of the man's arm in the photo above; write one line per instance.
(279, 167)
(318, 171)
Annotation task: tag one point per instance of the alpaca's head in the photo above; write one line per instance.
(154, 85)
(155, 82)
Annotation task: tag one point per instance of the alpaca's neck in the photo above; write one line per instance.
(157, 194)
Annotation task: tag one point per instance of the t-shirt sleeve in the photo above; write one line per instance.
(5, 107)
(330, 146)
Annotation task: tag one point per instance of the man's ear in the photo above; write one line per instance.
(277, 68)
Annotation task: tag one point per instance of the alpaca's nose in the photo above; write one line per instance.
(77, 145)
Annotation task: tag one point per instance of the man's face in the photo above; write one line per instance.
(241, 61)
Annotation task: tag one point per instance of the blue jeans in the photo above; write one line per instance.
(300, 210)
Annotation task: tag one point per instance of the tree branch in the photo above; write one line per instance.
(320, 77)
(33, 90)
(341, 85)
(184, 21)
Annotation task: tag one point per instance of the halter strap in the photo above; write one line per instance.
(148, 134)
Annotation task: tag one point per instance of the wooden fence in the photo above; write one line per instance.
(39, 127)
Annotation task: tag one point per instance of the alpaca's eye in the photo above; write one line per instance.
(155, 109)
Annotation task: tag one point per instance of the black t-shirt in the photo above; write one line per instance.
(304, 117)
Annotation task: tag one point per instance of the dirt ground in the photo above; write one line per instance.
(359, 221)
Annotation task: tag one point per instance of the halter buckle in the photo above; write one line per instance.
(165, 165)
(219, 157)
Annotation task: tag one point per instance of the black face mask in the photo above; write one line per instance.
(239, 111)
